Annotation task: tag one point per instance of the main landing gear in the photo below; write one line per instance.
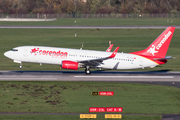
(87, 70)
(20, 65)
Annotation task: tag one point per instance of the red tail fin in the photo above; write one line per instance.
(159, 47)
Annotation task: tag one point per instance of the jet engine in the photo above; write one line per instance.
(70, 65)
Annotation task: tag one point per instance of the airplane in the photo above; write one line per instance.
(153, 55)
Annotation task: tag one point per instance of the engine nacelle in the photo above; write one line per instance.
(70, 65)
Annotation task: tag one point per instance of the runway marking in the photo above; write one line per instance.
(150, 77)
(27, 78)
(89, 27)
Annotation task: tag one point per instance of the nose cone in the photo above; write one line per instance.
(7, 54)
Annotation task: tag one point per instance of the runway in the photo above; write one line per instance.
(88, 27)
(150, 77)
(154, 76)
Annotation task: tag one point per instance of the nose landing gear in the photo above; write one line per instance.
(20, 65)
(87, 70)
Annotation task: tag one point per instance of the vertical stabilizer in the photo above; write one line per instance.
(159, 47)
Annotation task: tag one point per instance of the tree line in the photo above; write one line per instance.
(88, 6)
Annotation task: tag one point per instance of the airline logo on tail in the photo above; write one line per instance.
(153, 48)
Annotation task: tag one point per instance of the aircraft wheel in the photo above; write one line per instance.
(20, 66)
(87, 71)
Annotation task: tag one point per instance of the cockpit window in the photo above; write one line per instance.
(14, 50)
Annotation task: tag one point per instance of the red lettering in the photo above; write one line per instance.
(47, 52)
(50, 52)
(40, 52)
(54, 52)
(58, 53)
(65, 54)
(62, 53)
(44, 52)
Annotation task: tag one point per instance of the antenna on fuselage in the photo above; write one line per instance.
(81, 47)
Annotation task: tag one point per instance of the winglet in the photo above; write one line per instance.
(109, 49)
(114, 53)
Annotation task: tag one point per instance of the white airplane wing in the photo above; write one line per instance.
(96, 62)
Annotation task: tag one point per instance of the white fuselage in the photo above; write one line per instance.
(53, 55)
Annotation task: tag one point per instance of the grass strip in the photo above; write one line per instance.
(101, 22)
(76, 97)
(71, 117)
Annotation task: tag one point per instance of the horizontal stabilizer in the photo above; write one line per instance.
(166, 58)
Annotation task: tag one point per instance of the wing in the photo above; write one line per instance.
(96, 62)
